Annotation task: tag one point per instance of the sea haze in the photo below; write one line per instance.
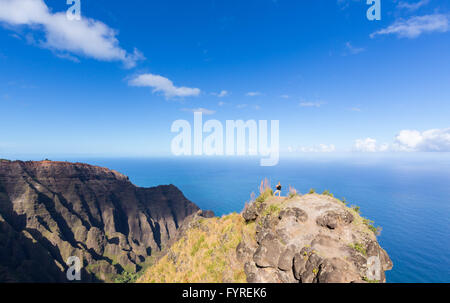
(408, 197)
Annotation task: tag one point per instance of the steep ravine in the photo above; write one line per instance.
(50, 211)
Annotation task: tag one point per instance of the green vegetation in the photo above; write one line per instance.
(268, 193)
(126, 277)
(356, 209)
(370, 281)
(369, 224)
(265, 191)
(312, 191)
(273, 209)
(359, 247)
(327, 193)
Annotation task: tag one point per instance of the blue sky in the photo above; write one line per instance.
(336, 81)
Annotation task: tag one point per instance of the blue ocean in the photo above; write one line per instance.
(408, 198)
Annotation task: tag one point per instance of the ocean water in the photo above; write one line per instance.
(408, 198)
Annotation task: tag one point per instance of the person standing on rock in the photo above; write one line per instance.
(278, 191)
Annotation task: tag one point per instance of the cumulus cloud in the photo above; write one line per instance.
(412, 6)
(416, 26)
(369, 145)
(202, 110)
(433, 140)
(163, 85)
(86, 37)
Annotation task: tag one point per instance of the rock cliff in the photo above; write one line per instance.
(301, 238)
(52, 210)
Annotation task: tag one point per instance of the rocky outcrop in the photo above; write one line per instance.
(312, 238)
(308, 239)
(50, 211)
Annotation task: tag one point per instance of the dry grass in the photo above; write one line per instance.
(205, 254)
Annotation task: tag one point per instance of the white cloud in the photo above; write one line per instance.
(352, 49)
(86, 37)
(284, 96)
(221, 103)
(202, 110)
(241, 106)
(412, 6)
(415, 26)
(369, 145)
(433, 140)
(311, 104)
(163, 85)
(321, 148)
(253, 94)
(222, 94)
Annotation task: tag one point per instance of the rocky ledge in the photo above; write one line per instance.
(311, 238)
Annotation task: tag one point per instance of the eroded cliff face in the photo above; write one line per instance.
(52, 210)
(305, 238)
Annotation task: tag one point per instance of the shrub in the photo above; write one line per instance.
(265, 191)
(126, 277)
(356, 209)
(327, 193)
(358, 247)
(312, 191)
(369, 224)
(273, 209)
(370, 281)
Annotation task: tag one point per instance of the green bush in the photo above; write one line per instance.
(358, 247)
(356, 209)
(265, 195)
(327, 193)
(369, 224)
(126, 277)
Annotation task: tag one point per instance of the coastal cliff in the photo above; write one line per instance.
(312, 238)
(50, 211)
